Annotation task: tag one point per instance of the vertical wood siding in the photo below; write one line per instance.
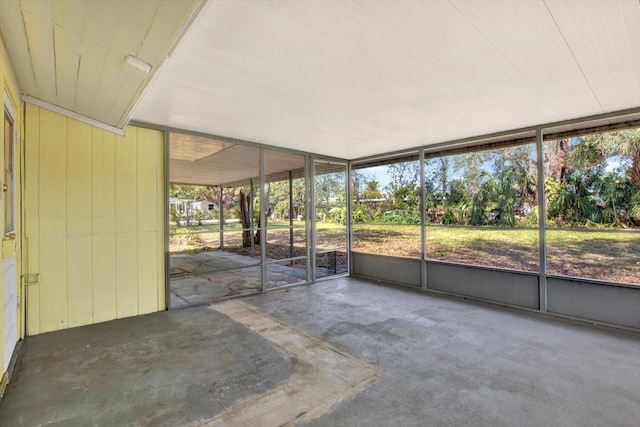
(94, 222)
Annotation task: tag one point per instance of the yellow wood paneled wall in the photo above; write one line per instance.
(10, 245)
(94, 205)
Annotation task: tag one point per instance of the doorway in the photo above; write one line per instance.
(330, 213)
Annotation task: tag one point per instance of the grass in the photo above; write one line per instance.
(611, 255)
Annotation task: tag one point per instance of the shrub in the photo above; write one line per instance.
(448, 217)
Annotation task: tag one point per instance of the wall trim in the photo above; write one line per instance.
(72, 114)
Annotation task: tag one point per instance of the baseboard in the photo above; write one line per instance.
(12, 364)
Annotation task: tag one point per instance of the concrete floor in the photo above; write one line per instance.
(203, 277)
(339, 352)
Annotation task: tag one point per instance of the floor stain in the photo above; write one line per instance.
(323, 375)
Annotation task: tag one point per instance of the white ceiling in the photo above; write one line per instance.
(357, 78)
(70, 53)
(342, 78)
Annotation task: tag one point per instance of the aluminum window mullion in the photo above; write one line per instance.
(310, 220)
(167, 221)
(263, 229)
(221, 218)
(348, 219)
(542, 222)
(423, 230)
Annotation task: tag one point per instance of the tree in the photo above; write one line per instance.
(597, 148)
(469, 165)
(457, 192)
(191, 192)
(329, 192)
(614, 191)
(359, 181)
(245, 202)
(441, 176)
(555, 159)
(403, 174)
(481, 200)
(600, 194)
(404, 187)
(228, 197)
(372, 190)
(267, 212)
(506, 191)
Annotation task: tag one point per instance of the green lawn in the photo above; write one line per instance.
(612, 255)
(602, 254)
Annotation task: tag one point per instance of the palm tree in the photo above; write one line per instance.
(594, 150)
(597, 148)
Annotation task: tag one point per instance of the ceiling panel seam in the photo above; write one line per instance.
(413, 42)
(55, 60)
(535, 89)
(574, 56)
(26, 36)
(636, 63)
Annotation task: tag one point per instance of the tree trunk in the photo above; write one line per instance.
(556, 157)
(244, 218)
(634, 174)
(267, 212)
(555, 161)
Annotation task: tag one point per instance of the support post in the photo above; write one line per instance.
(251, 224)
(167, 219)
(348, 221)
(221, 218)
(542, 222)
(290, 216)
(310, 220)
(263, 222)
(423, 230)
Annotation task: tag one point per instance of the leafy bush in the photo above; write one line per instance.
(400, 217)
(448, 217)
(359, 216)
(338, 215)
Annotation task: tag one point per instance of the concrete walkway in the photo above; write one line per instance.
(410, 360)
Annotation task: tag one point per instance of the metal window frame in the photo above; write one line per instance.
(263, 263)
(584, 125)
(542, 223)
(347, 182)
(537, 135)
(10, 112)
